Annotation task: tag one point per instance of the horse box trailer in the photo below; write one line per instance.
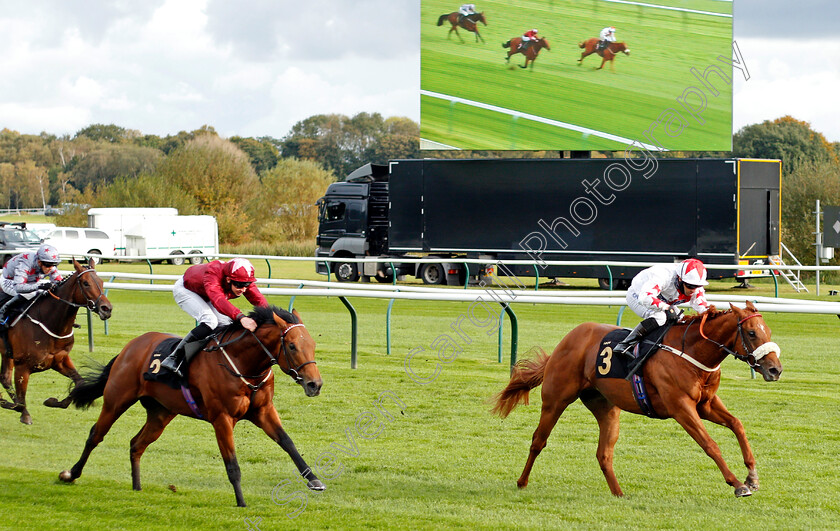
(116, 221)
(159, 232)
(192, 238)
(722, 211)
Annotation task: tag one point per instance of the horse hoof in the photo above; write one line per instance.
(51, 402)
(26, 419)
(743, 492)
(316, 484)
(66, 476)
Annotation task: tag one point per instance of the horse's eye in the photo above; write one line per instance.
(751, 333)
(291, 346)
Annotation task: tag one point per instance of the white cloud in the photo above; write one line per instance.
(37, 119)
(789, 78)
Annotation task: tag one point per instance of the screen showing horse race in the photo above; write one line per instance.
(591, 75)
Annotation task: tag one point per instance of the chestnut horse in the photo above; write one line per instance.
(42, 338)
(469, 23)
(607, 54)
(218, 389)
(530, 53)
(681, 384)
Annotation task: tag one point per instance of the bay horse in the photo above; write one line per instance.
(530, 53)
(219, 389)
(607, 54)
(41, 339)
(681, 380)
(469, 23)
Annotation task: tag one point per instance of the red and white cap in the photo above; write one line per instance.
(239, 270)
(692, 271)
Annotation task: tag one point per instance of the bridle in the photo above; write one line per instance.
(293, 373)
(90, 304)
(755, 354)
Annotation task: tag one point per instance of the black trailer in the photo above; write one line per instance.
(721, 211)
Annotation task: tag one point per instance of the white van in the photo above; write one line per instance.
(78, 241)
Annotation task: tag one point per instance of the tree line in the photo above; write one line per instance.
(262, 190)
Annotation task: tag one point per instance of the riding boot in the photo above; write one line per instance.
(186, 349)
(645, 327)
(11, 302)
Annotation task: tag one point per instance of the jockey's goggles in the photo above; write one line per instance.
(240, 285)
(690, 286)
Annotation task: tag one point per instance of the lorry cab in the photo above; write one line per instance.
(347, 218)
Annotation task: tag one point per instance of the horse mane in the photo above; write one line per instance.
(711, 313)
(265, 314)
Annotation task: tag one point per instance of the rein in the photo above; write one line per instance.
(90, 304)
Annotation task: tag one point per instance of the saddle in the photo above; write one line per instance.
(619, 366)
(155, 374)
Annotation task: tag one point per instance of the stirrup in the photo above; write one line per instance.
(169, 363)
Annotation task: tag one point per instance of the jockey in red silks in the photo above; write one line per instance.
(204, 292)
(527, 38)
(655, 292)
(26, 273)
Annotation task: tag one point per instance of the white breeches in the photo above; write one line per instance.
(201, 310)
(645, 311)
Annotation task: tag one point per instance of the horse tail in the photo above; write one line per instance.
(506, 44)
(527, 374)
(441, 19)
(91, 387)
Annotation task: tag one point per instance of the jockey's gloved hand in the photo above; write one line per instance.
(45, 284)
(673, 314)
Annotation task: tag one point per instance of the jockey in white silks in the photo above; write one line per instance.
(655, 292)
(607, 36)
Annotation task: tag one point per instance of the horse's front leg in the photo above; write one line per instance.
(716, 412)
(64, 366)
(267, 418)
(19, 395)
(6, 367)
(223, 426)
(686, 415)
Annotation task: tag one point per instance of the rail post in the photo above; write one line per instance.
(354, 328)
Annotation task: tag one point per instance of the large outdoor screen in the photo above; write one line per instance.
(671, 90)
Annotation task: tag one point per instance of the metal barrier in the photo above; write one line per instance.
(505, 298)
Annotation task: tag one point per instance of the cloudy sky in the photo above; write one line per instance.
(255, 67)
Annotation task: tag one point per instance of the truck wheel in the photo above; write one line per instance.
(346, 271)
(604, 283)
(177, 258)
(196, 257)
(432, 274)
(95, 259)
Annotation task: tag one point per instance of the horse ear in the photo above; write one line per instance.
(280, 322)
(91, 263)
(751, 306)
(296, 314)
(735, 309)
(77, 265)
